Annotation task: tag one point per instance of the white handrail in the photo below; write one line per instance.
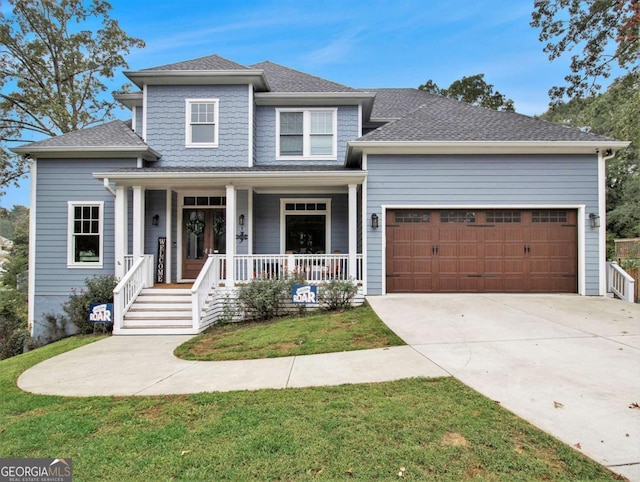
(312, 267)
(124, 294)
(209, 277)
(620, 283)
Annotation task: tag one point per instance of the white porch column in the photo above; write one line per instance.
(121, 234)
(353, 230)
(231, 234)
(138, 222)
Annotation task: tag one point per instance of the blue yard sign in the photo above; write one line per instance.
(304, 294)
(101, 312)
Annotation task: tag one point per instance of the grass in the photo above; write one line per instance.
(355, 329)
(433, 429)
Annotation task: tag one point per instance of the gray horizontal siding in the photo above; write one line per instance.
(155, 204)
(265, 135)
(266, 228)
(60, 181)
(166, 117)
(477, 180)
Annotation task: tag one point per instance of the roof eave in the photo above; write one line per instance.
(256, 179)
(486, 147)
(199, 77)
(78, 152)
(130, 99)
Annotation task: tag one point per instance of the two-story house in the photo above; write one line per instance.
(228, 172)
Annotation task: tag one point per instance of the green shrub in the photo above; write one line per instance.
(337, 294)
(99, 289)
(13, 323)
(263, 299)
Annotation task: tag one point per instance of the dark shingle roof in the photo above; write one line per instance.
(112, 134)
(210, 62)
(437, 118)
(284, 79)
(396, 103)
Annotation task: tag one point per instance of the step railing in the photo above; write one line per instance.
(620, 283)
(139, 276)
(208, 278)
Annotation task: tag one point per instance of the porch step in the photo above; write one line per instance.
(160, 309)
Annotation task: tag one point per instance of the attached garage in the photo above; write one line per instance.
(524, 251)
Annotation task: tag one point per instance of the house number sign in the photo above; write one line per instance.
(162, 256)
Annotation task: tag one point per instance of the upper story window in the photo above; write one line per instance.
(306, 134)
(85, 234)
(202, 123)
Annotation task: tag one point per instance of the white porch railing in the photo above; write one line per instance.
(139, 276)
(313, 268)
(208, 278)
(620, 283)
(128, 262)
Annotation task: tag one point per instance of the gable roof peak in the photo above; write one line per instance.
(285, 79)
(210, 62)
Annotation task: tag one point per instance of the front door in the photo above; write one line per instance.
(203, 233)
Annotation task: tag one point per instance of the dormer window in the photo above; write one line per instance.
(202, 123)
(306, 134)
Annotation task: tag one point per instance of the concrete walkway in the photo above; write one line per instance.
(145, 365)
(568, 364)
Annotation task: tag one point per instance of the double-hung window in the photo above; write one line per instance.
(201, 123)
(85, 234)
(306, 134)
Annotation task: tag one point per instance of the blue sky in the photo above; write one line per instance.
(400, 43)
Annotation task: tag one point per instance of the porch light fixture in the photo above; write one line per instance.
(594, 220)
(374, 220)
(155, 220)
(242, 236)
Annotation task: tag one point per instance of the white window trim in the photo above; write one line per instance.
(284, 213)
(71, 263)
(306, 134)
(187, 119)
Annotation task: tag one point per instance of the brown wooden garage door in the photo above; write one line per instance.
(482, 251)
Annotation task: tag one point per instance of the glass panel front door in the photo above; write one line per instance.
(203, 233)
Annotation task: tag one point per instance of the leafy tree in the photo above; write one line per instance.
(605, 30)
(472, 90)
(53, 69)
(13, 301)
(18, 261)
(614, 113)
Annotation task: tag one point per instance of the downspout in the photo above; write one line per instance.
(602, 211)
(108, 187)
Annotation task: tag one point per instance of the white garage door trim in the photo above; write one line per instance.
(580, 208)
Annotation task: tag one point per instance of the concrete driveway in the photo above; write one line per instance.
(568, 364)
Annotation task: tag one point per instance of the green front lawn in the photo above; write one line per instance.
(356, 329)
(433, 429)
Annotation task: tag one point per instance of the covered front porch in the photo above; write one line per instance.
(214, 230)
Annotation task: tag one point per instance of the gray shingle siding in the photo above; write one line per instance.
(138, 126)
(265, 135)
(166, 117)
(60, 181)
(481, 180)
